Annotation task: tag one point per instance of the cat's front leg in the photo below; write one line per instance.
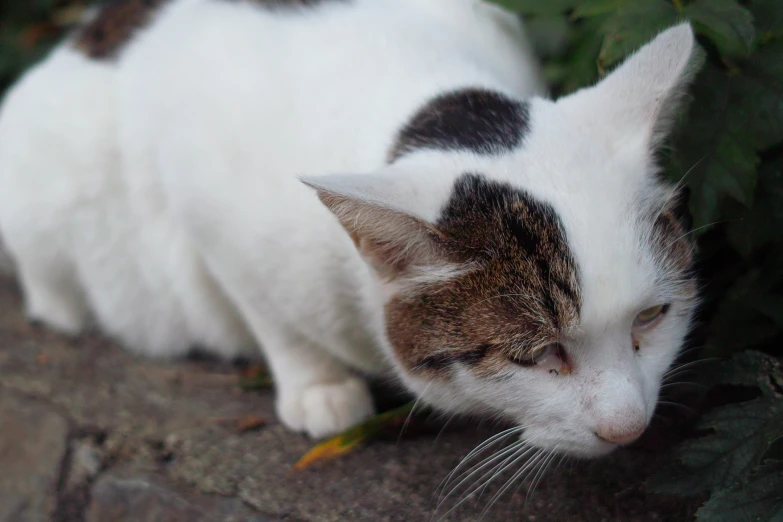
(316, 393)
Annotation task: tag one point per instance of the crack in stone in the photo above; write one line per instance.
(72, 502)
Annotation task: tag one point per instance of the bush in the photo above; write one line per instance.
(728, 149)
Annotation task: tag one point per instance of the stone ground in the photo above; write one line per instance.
(90, 433)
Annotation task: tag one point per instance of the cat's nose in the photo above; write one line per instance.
(619, 437)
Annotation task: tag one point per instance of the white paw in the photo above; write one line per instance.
(59, 316)
(321, 410)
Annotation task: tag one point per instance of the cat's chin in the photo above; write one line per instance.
(587, 447)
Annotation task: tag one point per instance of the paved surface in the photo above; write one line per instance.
(90, 433)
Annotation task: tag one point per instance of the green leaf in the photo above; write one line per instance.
(746, 315)
(742, 434)
(632, 25)
(751, 229)
(537, 7)
(589, 8)
(549, 35)
(355, 436)
(578, 67)
(719, 144)
(758, 500)
(768, 17)
(751, 368)
(726, 23)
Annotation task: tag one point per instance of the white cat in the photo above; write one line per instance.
(502, 253)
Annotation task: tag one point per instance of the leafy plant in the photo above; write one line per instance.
(738, 460)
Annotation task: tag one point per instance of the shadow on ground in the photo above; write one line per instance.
(89, 432)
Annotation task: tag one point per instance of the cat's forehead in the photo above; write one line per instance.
(582, 254)
(521, 238)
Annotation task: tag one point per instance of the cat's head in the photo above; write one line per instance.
(534, 264)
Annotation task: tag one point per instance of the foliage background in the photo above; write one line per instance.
(727, 148)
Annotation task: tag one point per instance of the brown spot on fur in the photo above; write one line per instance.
(672, 238)
(113, 27)
(521, 292)
(117, 21)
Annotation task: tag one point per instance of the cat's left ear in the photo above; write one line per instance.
(393, 240)
(644, 92)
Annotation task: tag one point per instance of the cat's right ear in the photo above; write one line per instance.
(642, 94)
(394, 241)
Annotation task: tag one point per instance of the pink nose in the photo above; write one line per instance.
(619, 437)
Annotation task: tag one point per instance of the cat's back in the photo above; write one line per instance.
(315, 75)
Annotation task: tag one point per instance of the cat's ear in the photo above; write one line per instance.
(394, 241)
(644, 92)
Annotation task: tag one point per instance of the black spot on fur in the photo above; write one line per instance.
(114, 26)
(478, 120)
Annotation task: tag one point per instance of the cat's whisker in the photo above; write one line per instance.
(541, 473)
(563, 458)
(679, 405)
(684, 383)
(689, 350)
(693, 231)
(518, 454)
(491, 441)
(533, 464)
(677, 375)
(443, 428)
(519, 446)
(677, 186)
(503, 434)
(658, 415)
(684, 366)
(481, 485)
(410, 413)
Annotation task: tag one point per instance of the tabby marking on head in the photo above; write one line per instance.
(523, 290)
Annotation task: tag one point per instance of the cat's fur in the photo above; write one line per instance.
(162, 170)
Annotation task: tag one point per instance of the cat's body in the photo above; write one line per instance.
(155, 181)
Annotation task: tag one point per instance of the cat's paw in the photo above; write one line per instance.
(61, 316)
(321, 410)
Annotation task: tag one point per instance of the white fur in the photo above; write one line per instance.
(161, 193)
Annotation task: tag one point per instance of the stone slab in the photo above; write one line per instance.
(33, 442)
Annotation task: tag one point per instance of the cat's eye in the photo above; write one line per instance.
(552, 354)
(650, 315)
